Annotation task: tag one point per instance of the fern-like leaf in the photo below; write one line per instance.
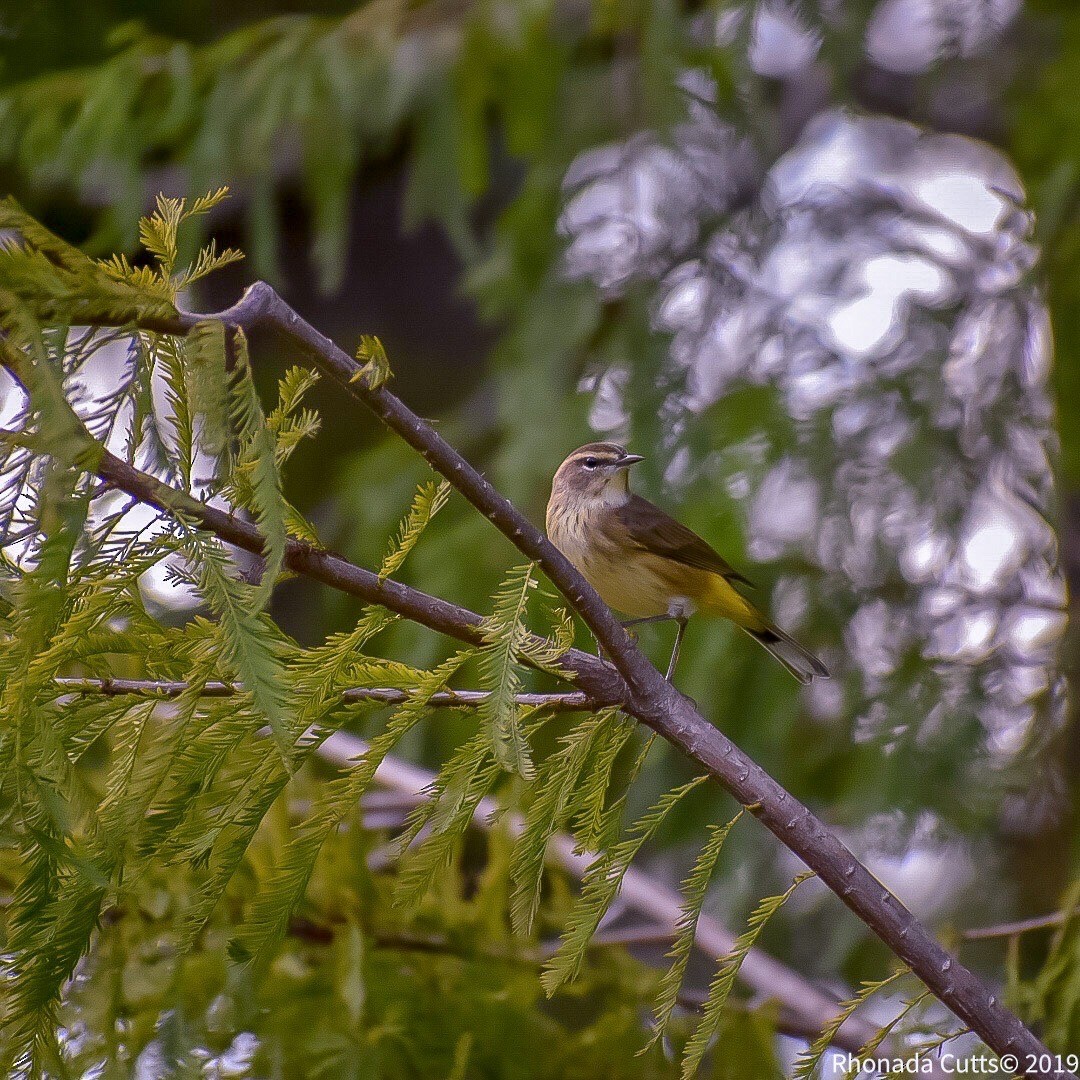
(445, 817)
(253, 648)
(600, 886)
(721, 985)
(694, 889)
(562, 786)
(270, 911)
(809, 1061)
(596, 825)
(430, 498)
(257, 468)
(504, 630)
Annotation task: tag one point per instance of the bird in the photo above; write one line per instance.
(645, 564)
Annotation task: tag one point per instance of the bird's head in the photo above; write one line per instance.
(595, 473)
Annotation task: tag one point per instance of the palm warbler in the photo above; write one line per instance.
(644, 563)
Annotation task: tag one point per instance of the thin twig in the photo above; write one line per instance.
(573, 701)
(1021, 926)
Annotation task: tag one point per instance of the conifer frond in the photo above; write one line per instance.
(694, 889)
(270, 911)
(82, 724)
(251, 646)
(375, 367)
(430, 498)
(159, 235)
(158, 231)
(320, 674)
(870, 1047)
(1055, 992)
(563, 784)
(600, 886)
(207, 733)
(930, 1046)
(264, 787)
(65, 924)
(807, 1063)
(445, 817)
(256, 481)
(203, 204)
(61, 285)
(596, 824)
(120, 801)
(504, 632)
(289, 421)
(208, 261)
(246, 783)
(722, 982)
(546, 653)
(207, 375)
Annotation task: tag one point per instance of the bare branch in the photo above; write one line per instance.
(574, 701)
(1021, 926)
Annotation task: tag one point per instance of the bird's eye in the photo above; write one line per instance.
(590, 463)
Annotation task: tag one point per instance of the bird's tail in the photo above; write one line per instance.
(801, 663)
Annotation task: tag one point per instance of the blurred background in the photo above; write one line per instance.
(818, 261)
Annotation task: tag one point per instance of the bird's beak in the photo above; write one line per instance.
(627, 460)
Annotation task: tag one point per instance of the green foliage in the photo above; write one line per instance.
(105, 792)
(600, 885)
(1051, 997)
(720, 988)
(508, 641)
(375, 369)
(299, 102)
(250, 648)
(694, 890)
(355, 989)
(255, 481)
(809, 1061)
(453, 801)
(429, 500)
(564, 787)
(503, 633)
(44, 277)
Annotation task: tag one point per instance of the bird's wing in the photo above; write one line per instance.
(653, 530)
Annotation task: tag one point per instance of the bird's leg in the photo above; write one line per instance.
(682, 620)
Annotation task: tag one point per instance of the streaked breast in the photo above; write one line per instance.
(629, 580)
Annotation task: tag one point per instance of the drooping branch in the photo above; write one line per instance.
(634, 683)
(659, 705)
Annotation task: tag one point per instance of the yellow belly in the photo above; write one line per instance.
(642, 585)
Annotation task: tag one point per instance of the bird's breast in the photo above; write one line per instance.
(628, 579)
